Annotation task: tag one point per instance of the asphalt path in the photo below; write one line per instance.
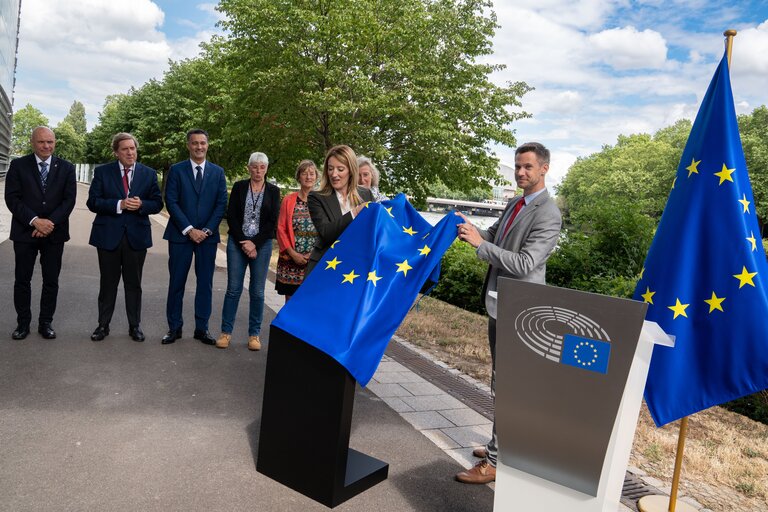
(126, 426)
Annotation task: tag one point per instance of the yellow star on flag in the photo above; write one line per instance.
(744, 202)
(715, 302)
(751, 239)
(373, 277)
(389, 211)
(693, 167)
(403, 267)
(673, 182)
(409, 230)
(425, 250)
(745, 277)
(725, 174)
(642, 272)
(679, 309)
(648, 295)
(332, 263)
(350, 278)
(366, 204)
(334, 243)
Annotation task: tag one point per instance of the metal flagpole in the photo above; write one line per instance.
(660, 503)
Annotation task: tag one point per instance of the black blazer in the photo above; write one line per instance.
(328, 220)
(26, 200)
(270, 209)
(106, 190)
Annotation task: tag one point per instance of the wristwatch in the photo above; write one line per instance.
(207, 231)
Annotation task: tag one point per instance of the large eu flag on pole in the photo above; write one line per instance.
(358, 294)
(705, 275)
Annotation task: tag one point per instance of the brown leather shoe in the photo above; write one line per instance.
(480, 452)
(223, 341)
(482, 473)
(254, 343)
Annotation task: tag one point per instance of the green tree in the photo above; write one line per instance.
(754, 139)
(70, 144)
(399, 81)
(76, 117)
(24, 121)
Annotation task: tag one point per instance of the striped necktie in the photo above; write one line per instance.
(44, 174)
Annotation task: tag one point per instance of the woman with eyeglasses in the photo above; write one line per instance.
(252, 216)
(295, 232)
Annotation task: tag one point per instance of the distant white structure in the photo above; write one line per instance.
(506, 192)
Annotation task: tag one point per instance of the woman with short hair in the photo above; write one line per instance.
(251, 216)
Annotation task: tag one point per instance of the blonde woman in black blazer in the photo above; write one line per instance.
(338, 201)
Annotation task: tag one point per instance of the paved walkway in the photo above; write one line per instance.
(124, 426)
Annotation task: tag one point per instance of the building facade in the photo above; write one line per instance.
(9, 40)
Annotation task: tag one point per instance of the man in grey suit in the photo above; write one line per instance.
(516, 246)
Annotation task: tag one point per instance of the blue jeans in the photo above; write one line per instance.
(237, 262)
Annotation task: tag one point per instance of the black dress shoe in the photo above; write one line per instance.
(136, 334)
(46, 331)
(171, 336)
(205, 337)
(21, 332)
(100, 333)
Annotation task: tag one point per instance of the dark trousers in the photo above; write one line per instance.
(179, 260)
(128, 263)
(50, 263)
(493, 444)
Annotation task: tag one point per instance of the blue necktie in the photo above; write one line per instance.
(198, 177)
(44, 174)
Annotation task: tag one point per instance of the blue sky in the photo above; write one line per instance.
(600, 68)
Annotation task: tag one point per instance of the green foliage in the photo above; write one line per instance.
(70, 144)
(638, 170)
(754, 139)
(603, 250)
(753, 406)
(478, 194)
(461, 278)
(24, 121)
(76, 117)
(399, 81)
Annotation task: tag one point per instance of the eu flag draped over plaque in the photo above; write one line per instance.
(358, 294)
(705, 275)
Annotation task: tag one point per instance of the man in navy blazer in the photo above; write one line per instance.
(517, 246)
(123, 195)
(196, 198)
(40, 191)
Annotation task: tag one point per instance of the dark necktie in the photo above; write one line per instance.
(518, 206)
(198, 177)
(126, 185)
(44, 174)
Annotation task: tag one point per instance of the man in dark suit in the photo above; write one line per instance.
(196, 198)
(517, 246)
(40, 192)
(123, 195)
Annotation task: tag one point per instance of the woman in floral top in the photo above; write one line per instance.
(295, 232)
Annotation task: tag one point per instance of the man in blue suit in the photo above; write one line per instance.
(196, 198)
(40, 191)
(123, 195)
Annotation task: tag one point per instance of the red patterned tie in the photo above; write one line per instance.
(125, 180)
(518, 206)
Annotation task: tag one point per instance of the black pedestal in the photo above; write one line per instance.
(305, 424)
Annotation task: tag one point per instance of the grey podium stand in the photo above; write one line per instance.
(306, 420)
(570, 373)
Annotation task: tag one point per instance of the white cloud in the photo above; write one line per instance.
(626, 48)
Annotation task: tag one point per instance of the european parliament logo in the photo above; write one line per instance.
(565, 336)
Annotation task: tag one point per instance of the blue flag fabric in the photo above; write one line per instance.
(705, 274)
(358, 294)
(585, 353)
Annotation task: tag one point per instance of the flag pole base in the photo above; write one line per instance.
(656, 503)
